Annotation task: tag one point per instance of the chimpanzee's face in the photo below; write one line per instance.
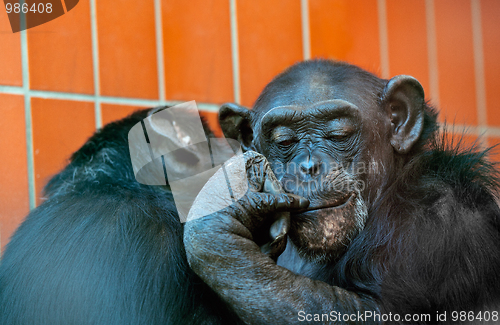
(318, 144)
(334, 134)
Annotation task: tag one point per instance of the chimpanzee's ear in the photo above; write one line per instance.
(236, 123)
(404, 101)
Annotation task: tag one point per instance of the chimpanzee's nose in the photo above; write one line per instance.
(310, 167)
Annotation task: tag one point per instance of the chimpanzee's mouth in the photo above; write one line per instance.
(338, 203)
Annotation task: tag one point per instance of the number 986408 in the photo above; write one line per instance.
(29, 8)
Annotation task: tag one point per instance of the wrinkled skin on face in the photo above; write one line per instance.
(313, 150)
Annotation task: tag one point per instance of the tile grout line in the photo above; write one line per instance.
(430, 19)
(27, 115)
(481, 131)
(15, 90)
(306, 29)
(477, 38)
(160, 54)
(383, 38)
(95, 64)
(12, 90)
(235, 55)
(207, 107)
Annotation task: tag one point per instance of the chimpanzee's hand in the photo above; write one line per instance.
(222, 236)
(250, 200)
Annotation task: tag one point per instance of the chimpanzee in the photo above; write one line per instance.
(105, 249)
(370, 212)
(401, 227)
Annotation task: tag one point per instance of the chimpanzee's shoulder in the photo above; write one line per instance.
(466, 170)
(113, 135)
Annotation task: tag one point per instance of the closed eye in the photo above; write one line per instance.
(286, 143)
(339, 134)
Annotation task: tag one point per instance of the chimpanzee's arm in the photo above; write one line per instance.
(221, 251)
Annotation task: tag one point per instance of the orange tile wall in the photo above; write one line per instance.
(61, 80)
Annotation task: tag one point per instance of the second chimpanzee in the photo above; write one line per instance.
(105, 249)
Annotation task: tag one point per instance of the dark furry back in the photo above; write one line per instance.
(103, 249)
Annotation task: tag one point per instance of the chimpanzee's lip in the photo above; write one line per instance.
(338, 203)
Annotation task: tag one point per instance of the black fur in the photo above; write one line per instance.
(438, 221)
(103, 249)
